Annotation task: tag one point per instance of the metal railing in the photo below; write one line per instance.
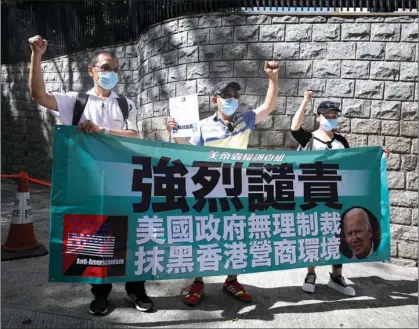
(73, 26)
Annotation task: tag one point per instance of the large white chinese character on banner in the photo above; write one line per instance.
(209, 257)
(308, 250)
(285, 251)
(330, 223)
(284, 225)
(179, 229)
(261, 253)
(180, 259)
(150, 258)
(234, 227)
(236, 253)
(330, 248)
(150, 229)
(259, 226)
(207, 228)
(307, 224)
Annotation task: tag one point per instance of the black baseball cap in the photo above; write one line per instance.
(326, 106)
(221, 86)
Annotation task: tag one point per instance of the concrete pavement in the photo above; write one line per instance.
(387, 295)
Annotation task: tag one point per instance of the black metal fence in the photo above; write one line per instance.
(72, 26)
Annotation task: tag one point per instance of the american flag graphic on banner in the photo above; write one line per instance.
(94, 245)
(90, 245)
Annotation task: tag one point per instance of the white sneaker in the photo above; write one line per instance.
(309, 283)
(339, 284)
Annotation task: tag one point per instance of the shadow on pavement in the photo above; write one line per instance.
(372, 292)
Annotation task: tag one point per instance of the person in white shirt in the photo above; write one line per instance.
(101, 114)
(323, 138)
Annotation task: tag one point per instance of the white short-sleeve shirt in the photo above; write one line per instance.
(103, 113)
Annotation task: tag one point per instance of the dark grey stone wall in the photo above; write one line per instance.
(368, 63)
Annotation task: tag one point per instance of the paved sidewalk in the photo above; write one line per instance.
(387, 295)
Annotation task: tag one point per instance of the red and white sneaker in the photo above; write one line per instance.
(235, 289)
(194, 295)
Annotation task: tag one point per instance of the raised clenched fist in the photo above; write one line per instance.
(272, 69)
(308, 95)
(38, 45)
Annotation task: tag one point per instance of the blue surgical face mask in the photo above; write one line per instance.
(107, 80)
(328, 124)
(229, 106)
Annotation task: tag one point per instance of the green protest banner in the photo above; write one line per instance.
(125, 209)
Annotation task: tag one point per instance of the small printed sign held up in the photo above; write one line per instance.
(185, 110)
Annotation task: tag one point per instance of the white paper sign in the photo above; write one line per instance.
(185, 110)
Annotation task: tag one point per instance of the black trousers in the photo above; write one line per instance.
(105, 289)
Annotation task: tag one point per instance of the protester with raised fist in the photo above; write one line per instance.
(100, 110)
(230, 129)
(323, 138)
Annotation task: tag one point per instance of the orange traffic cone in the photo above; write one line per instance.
(21, 241)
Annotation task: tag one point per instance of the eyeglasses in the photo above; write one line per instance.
(229, 95)
(107, 68)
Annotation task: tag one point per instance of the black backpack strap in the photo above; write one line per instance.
(309, 145)
(123, 105)
(81, 102)
(342, 139)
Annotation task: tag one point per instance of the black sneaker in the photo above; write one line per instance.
(99, 306)
(309, 283)
(339, 284)
(140, 299)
